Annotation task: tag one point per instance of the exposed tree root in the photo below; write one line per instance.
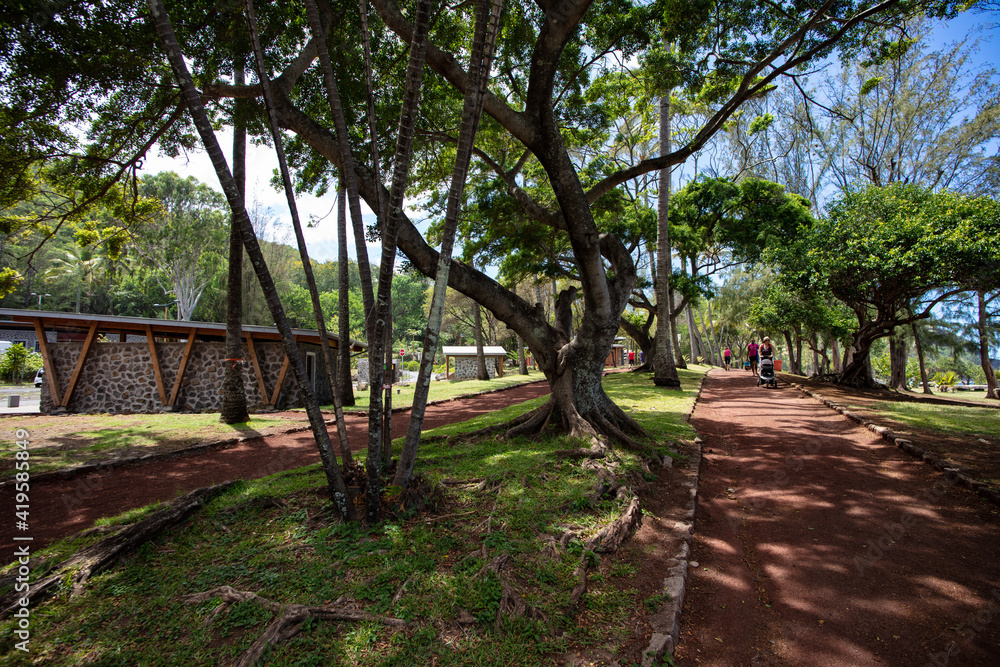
(612, 536)
(98, 557)
(511, 600)
(289, 621)
(535, 422)
(580, 575)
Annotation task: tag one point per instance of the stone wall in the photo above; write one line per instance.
(119, 377)
(363, 371)
(467, 368)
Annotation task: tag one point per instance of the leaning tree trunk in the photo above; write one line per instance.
(348, 178)
(484, 38)
(192, 99)
(664, 367)
(984, 350)
(234, 399)
(286, 180)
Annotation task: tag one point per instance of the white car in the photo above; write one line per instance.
(39, 377)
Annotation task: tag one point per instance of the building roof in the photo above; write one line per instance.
(470, 351)
(180, 329)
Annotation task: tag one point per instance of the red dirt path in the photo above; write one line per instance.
(62, 507)
(819, 543)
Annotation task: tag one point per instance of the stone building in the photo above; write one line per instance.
(466, 365)
(102, 363)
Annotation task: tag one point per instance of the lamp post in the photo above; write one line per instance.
(39, 295)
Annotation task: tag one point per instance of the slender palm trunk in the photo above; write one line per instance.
(343, 304)
(484, 38)
(664, 367)
(347, 174)
(192, 99)
(234, 400)
(404, 141)
(286, 180)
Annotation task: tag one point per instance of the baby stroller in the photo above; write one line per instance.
(766, 376)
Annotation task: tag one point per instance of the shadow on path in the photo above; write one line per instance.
(819, 543)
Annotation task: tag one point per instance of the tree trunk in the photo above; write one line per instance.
(192, 99)
(898, 352)
(984, 349)
(484, 38)
(675, 338)
(234, 399)
(835, 353)
(693, 336)
(710, 356)
(817, 368)
(920, 359)
(481, 371)
(390, 358)
(664, 367)
(343, 303)
(790, 347)
(286, 180)
(390, 232)
(522, 359)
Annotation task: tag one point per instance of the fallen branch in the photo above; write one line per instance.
(289, 621)
(100, 556)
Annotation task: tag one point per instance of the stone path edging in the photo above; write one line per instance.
(76, 471)
(952, 471)
(667, 620)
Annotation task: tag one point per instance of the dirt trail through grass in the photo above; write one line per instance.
(819, 543)
(62, 507)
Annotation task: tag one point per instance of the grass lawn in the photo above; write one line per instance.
(440, 390)
(973, 422)
(63, 441)
(500, 498)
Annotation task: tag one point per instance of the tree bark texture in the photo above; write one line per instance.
(664, 367)
(343, 303)
(234, 400)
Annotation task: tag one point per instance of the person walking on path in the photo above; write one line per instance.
(816, 542)
(766, 350)
(727, 356)
(752, 356)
